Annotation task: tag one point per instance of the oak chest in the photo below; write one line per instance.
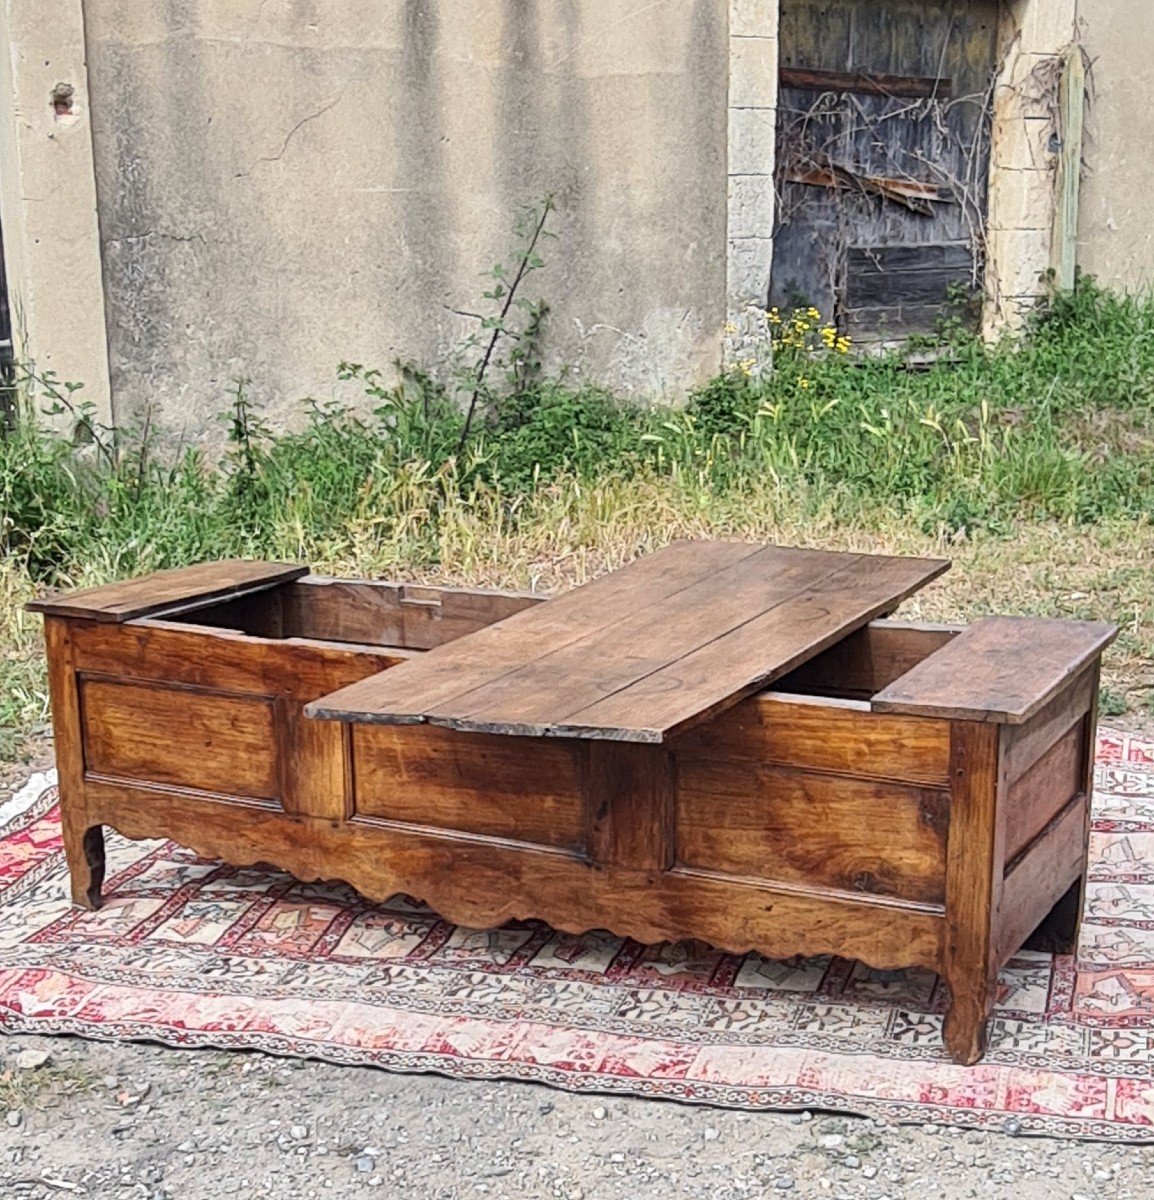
(720, 741)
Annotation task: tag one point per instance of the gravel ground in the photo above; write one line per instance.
(149, 1123)
(157, 1124)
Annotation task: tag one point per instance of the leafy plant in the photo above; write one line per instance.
(506, 342)
(244, 458)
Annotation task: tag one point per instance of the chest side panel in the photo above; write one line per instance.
(811, 794)
(482, 785)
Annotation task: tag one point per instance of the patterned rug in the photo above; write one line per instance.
(192, 953)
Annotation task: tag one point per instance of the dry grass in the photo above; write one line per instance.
(569, 533)
(23, 688)
(21, 1090)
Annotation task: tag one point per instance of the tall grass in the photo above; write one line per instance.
(1059, 426)
(1048, 441)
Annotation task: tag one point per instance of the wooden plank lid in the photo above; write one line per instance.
(118, 602)
(640, 654)
(1000, 669)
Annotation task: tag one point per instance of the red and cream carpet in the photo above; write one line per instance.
(193, 953)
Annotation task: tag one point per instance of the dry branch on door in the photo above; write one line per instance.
(914, 194)
(867, 83)
(883, 142)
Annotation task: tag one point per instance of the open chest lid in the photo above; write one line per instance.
(167, 591)
(645, 652)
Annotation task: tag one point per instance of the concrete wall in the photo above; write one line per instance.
(1116, 234)
(287, 183)
(282, 184)
(48, 200)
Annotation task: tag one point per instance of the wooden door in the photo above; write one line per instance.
(883, 150)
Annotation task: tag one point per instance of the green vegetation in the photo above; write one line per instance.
(1034, 458)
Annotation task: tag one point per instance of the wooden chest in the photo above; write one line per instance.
(903, 795)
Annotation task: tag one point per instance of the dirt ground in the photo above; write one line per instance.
(150, 1123)
(156, 1124)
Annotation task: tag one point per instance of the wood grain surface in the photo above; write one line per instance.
(1000, 669)
(973, 886)
(860, 665)
(482, 883)
(649, 650)
(775, 823)
(116, 602)
(1044, 790)
(223, 660)
(818, 735)
(473, 783)
(391, 614)
(1039, 878)
(210, 742)
(83, 840)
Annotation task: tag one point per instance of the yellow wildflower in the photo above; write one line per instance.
(730, 328)
(803, 383)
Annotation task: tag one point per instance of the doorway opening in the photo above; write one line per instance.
(883, 162)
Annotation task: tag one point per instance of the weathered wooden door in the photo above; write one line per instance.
(883, 151)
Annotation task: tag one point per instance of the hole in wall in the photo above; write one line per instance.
(64, 101)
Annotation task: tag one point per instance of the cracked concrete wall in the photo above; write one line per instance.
(48, 200)
(1116, 234)
(284, 184)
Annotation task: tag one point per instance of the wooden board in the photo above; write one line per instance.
(469, 783)
(866, 83)
(859, 666)
(392, 614)
(887, 277)
(824, 736)
(226, 743)
(645, 652)
(483, 884)
(222, 660)
(1000, 669)
(118, 602)
(1045, 789)
(1037, 879)
(757, 821)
